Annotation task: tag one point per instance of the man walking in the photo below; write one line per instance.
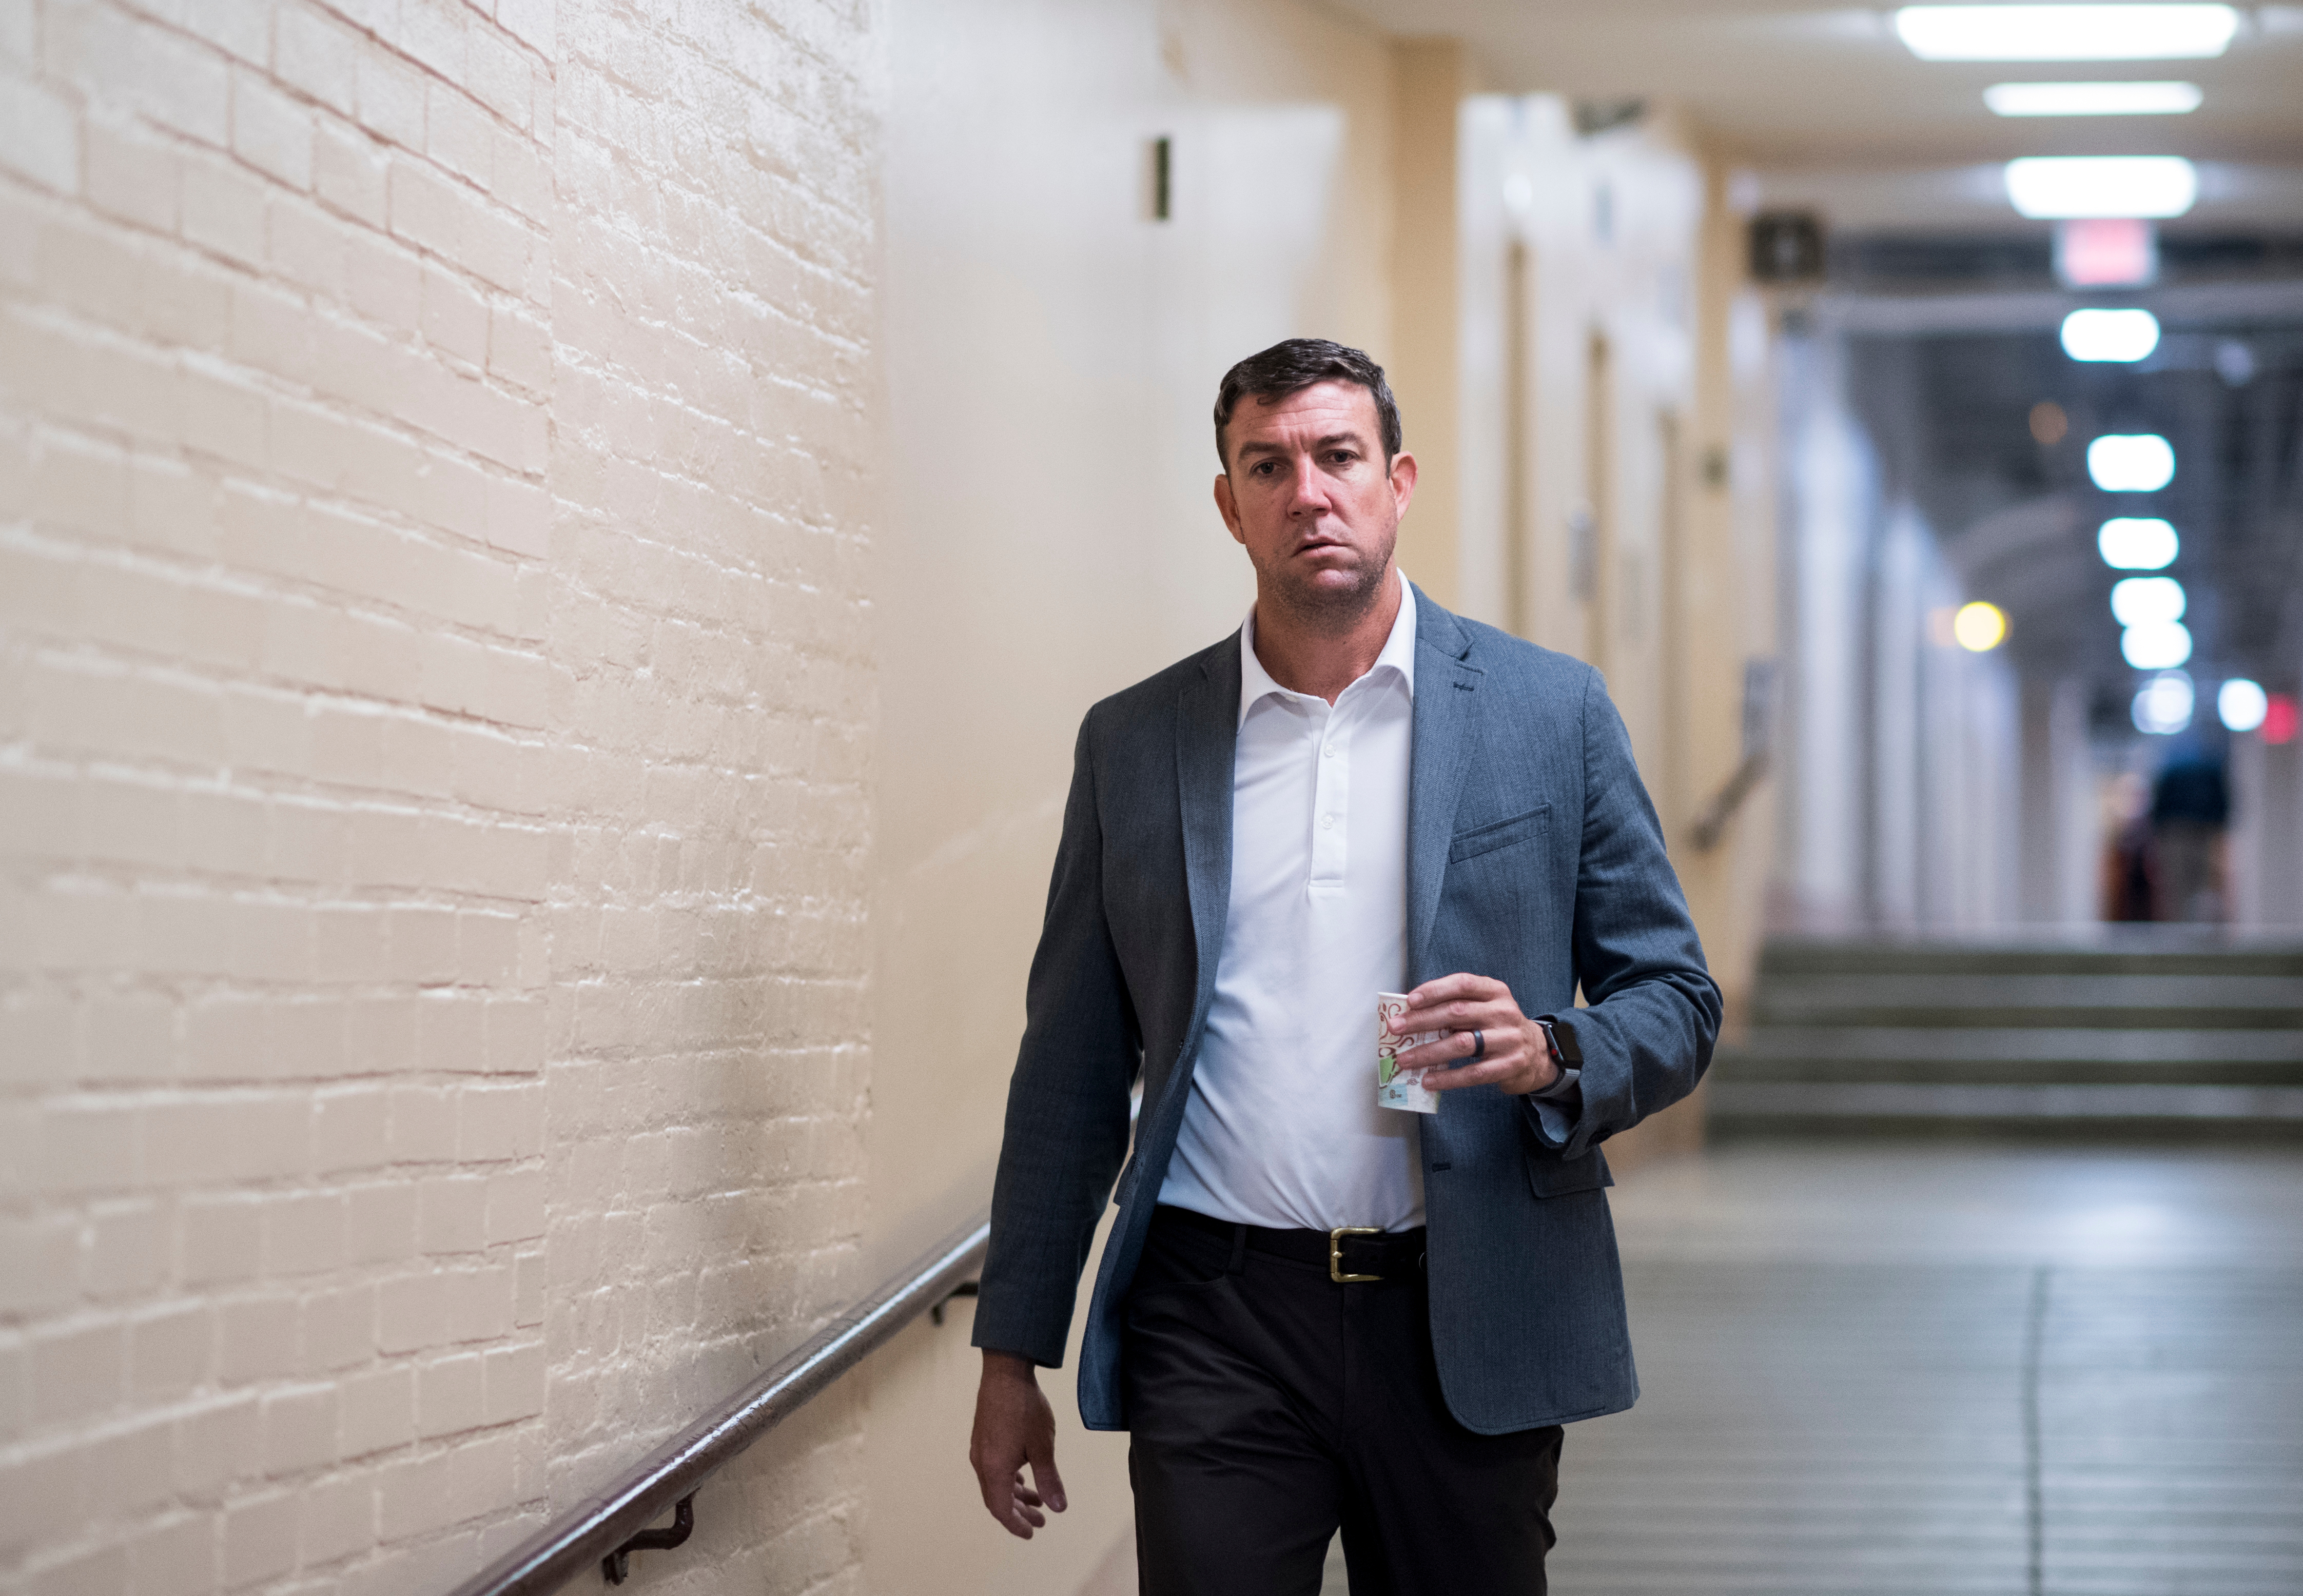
(1313, 1310)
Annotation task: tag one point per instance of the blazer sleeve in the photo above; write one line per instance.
(1653, 1010)
(1066, 1127)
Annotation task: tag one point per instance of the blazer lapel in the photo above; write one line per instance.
(1440, 749)
(1207, 734)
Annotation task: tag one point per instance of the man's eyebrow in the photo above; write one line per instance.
(1276, 448)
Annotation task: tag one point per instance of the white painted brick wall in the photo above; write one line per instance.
(435, 714)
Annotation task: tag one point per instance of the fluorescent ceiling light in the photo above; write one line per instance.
(2241, 705)
(2066, 32)
(2110, 334)
(2160, 646)
(2130, 462)
(2092, 99)
(2164, 707)
(2136, 543)
(2052, 188)
(2147, 600)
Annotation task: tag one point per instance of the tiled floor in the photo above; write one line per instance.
(1905, 1369)
(1916, 1369)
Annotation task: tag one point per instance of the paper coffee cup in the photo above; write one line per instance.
(1395, 1088)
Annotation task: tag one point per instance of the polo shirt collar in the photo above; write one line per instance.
(1398, 655)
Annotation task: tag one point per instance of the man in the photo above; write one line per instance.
(1357, 793)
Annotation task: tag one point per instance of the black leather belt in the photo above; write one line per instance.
(1353, 1254)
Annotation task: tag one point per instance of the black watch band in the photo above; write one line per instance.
(1563, 1050)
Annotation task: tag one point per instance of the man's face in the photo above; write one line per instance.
(1308, 495)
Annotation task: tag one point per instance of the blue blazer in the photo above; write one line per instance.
(1533, 856)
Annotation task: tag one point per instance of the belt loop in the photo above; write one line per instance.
(1239, 1264)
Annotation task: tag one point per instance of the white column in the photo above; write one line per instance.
(1828, 494)
(2059, 828)
(2266, 833)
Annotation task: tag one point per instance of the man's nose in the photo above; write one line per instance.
(1307, 490)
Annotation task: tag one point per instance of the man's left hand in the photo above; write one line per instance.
(1481, 1017)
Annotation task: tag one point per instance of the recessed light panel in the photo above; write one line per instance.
(2160, 646)
(2110, 334)
(2130, 462)
(2092, 99)
(2136, 543)
(2241, 704)
(2164, 707)
(2052, 187)
(2066, 32)
(2147, 600)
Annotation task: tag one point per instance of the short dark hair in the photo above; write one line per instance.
(1296, 364)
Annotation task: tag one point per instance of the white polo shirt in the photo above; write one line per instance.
(1281, 1128)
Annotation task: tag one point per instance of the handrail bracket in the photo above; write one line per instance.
(616, 1567)
(964, 1288)
(596, 1532)
(1711, 823)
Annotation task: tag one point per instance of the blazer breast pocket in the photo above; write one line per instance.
(1503, 833)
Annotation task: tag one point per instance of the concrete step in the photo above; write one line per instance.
(2168, 950)
(2001, 1000)
(2153, 1031)
(2036, 1055)
(1742, 1109)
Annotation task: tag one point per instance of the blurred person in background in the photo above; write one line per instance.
(2190, 807)
(2127, 885)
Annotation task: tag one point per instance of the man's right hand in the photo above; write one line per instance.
(1014, 1425)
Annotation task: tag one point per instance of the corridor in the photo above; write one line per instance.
(558, 562)
(1898, 1369)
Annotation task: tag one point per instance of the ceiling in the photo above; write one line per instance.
(1798, 86)
(1830, 113)
(1950, 415)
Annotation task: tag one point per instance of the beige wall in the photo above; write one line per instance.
(1726, 601)
(1610, 230)
(1053, 354)
(1636, 404)
(434, 741)
(1432, 78)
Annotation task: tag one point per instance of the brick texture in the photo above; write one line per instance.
(436, 706)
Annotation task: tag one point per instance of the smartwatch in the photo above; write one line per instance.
(1563, 1050)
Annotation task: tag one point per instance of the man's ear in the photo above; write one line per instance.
(1402, 480)
(1225, 507)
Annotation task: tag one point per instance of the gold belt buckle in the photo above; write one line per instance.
(1335, 1252)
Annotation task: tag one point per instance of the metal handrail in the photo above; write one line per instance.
(1711, 823)
(600, 1530)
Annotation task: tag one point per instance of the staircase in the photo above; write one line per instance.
(2146, 1031)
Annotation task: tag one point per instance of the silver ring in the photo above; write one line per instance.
(1479, 1046)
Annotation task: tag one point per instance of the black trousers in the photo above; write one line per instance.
(1269, 1404)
